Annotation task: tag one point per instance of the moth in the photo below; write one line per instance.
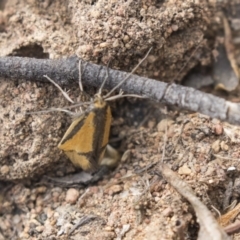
(86, 140)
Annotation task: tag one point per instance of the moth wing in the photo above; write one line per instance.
(79, 136)
(79, 160)
(86, 139)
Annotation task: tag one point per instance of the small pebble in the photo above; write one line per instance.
(49, 212)
(38, 209)
(232, 168)
(34, 222)
(72, 196)
(123, 172)
(197, 168)
(4, 169)
(33, 197)
(216, 146)
(218, 129)
(24, 235)
(115, 189)
(93, 190)
(184, 170)
(33, 215)
(151, 124)
(39, 201)
(224, 146)
(147, 220)
(53, 222)
(117, 175)
(55, 194)
(41, 189)
(174, 27)
(164, 124)
(167, 212)
(211, 181)
(40, 228)
(108, 228)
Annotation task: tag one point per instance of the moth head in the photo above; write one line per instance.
(98, 101)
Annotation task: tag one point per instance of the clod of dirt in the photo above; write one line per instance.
(100, 31)
(28, 140)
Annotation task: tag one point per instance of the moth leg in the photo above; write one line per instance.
(80, 75)
(54, 110)
(127, 77)
(110, 159)
(80, 79)
(103, 171)
(61, 90)
(104, 81)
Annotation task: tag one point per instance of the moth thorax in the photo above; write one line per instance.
(98, 101)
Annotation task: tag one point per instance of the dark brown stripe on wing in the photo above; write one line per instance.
(74, 130)
(99, 122)
(93, 157)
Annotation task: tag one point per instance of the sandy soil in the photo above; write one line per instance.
(134, 201)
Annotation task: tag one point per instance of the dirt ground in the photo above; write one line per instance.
(134, 201)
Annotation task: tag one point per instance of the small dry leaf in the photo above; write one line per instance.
(227, 218)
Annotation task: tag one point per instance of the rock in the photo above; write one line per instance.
(164, 124)
(4, 169)
(72, 196)
(218, 129)
(115, 189)
(184, 170)
(40, 228)
(167, 212)
(216, 146)
(224, 146)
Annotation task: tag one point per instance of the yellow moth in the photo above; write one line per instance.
(86, 140)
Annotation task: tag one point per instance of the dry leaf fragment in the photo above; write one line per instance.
(227, 218)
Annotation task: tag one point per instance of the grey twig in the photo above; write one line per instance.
(65, 71)
(84, 220)
(209, 227)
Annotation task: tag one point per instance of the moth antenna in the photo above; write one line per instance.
(124, 95)
(126, 78)
(104, 81)
(53, 110)
(64, 109)
(80, 75)
(116, 96)
(61, 90)
(79, 104)
(77, 115)
(120, 92)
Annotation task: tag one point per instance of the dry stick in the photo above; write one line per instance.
(84, 220)
(233, 228)
(209, 227)
(65, 71)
